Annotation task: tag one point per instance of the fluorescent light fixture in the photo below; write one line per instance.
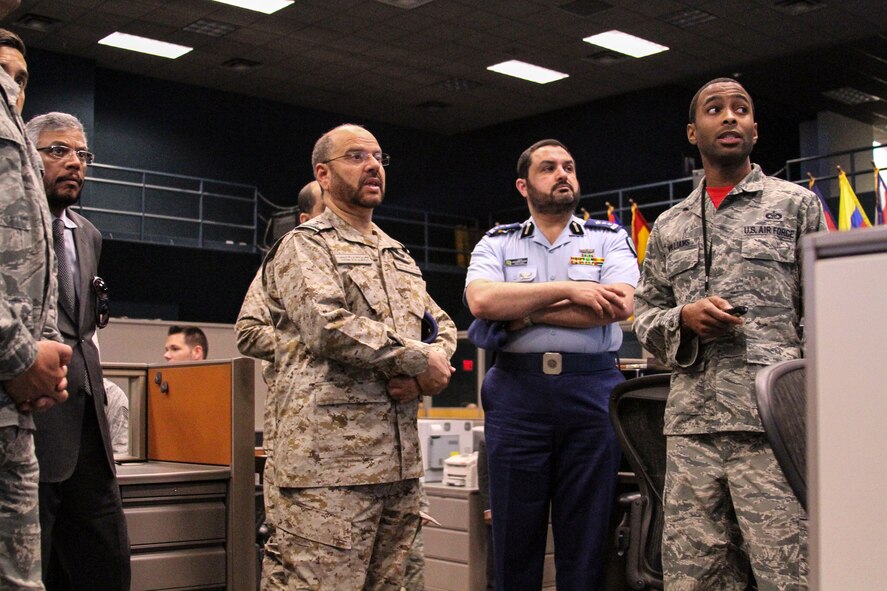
(526, 71)
(145, 45)
(625, 43)
(266, 6)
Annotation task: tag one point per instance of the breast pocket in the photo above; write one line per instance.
(370, 298)
(683, 268)
(584, 273)
(520, 274)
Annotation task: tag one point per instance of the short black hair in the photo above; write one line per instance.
(523, 162)
(10, 39)
(695, 98)
(193, 337)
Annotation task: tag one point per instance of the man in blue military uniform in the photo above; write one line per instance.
(558, 285)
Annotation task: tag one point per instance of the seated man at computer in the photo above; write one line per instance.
(185, 343)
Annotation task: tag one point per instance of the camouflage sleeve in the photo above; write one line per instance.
(18, 349)
(254, 331)
(313, 295)
(657, 320)
(117, 411)
(50, 329)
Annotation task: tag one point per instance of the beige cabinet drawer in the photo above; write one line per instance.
(451, 513)
(184, 522)
(445, 544)
(182, 569)
(440, 574)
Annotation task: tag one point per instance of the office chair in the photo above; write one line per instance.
(782, 405)
(637, 409)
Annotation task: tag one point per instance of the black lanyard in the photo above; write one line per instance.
(706, 247)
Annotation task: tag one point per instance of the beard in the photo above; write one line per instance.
(353, 194)
(553, 203)
(63, 199)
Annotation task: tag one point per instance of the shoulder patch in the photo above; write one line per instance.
(503, 229)
(602, 225)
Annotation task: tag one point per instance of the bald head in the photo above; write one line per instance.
(310, 202)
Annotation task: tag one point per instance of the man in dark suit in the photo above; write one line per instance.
(84, 541)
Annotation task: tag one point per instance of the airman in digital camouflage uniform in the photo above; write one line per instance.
(735, 241)
(347, 303)
(255, 338)
(32, 358)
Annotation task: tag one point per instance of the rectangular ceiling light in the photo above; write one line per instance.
(145, 45)
(526, 71)
(625, 43)
(265, 6)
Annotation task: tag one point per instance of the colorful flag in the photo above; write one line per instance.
(880, 199)
(640, 232)
(611, 215)
(829, 218)
(585, 214)
(850, 212)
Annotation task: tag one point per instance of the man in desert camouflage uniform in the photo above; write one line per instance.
(347, 303)
(32, 358)
(735, 241)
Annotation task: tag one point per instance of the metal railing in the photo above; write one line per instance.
(162, 208)
(855, 163)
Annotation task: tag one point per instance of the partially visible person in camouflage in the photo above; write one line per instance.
(735, 241)
(117, 412)
(414, 576)
(33, 361)
(347, 303)
(255, 338)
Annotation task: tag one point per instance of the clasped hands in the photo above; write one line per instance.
(43, 385)
(430, 382)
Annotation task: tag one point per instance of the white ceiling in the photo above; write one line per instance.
(376, 61)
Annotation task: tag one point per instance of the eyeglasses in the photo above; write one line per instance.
(102, 310)
(60, 152)
(359, 157)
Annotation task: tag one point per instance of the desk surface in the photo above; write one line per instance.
(152, 472)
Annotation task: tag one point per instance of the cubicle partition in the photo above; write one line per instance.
(845, 288)
(188, 480)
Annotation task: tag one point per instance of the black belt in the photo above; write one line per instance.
(555, 363)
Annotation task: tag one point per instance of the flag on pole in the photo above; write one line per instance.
(850, 212)
(880, 199)
(585, 214)
(829, 218)
(611, 215)
(640, 232)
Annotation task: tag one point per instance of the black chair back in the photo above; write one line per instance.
(781, 393)
(637, 410)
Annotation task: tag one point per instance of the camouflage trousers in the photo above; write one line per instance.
(349, 538)
(727, 503)
(414, 577)
(19, 515)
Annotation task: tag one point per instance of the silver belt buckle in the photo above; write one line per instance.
(552, 364)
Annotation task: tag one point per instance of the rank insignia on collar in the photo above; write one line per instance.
(576, 228)
(528, 229)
